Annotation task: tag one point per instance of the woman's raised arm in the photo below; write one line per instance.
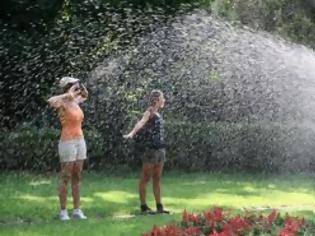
(139, 125)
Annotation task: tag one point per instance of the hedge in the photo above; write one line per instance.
(191, 146)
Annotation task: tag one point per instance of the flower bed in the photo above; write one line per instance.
(216, 222)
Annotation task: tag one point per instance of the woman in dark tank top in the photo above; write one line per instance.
(149, 136)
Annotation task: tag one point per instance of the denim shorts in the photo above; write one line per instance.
(154, 156)
(72, 150)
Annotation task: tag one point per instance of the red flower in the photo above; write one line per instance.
(192, 231)
(220, 234)
(218, 223)
(189, 217)
(214, 217)
(237, 225)
(291, 226)
(273, 216)
(168, 230)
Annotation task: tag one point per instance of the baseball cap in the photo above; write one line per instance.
(64, 81)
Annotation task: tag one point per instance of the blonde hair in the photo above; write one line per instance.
(155, 96)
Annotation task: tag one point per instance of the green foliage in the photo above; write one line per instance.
(48, 39)
(29, 148)
(291, 19)
(191, 146)
(81, 35)
(42, 41)
(218, 146)
(225, 8)
(28, 15)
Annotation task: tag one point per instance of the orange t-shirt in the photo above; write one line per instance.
(71, 118)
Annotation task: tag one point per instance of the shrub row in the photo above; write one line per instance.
(191, 146)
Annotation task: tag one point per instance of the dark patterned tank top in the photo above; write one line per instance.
(152, 134)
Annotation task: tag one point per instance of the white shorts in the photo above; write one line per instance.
(72, 150)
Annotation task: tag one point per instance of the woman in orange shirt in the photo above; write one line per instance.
(72, 147)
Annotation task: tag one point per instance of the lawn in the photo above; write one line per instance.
(29, 203)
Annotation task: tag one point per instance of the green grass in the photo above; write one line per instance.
(29, 203)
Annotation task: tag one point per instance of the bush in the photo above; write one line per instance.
(37, 149)
(29, 148)
(192, 146)
(218, 146)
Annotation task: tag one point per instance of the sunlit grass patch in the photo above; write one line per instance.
(29, 203)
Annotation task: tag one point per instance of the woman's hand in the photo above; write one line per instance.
(128, 136)
(84, 91)
(74, 91)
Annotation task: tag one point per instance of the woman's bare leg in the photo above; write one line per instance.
(65, 176)
(145, 178)
(157, 174)
(76, 182)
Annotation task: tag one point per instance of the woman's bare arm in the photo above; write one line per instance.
(84, 94)
(139, 125)
(57, 101)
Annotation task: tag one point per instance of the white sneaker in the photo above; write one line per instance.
(63, 215)
(78, 214)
